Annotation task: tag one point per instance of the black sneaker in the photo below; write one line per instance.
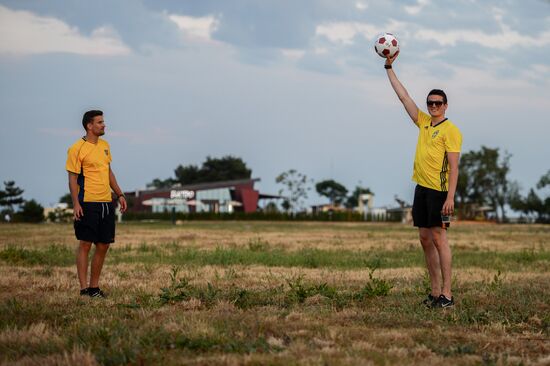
(444, 302)
(84, 292)
(96, 292)
(430, 301)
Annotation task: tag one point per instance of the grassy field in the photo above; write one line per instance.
(275, 293)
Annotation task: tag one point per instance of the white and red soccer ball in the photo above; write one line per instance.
(386, 45)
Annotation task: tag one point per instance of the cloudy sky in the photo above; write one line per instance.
(283, 84)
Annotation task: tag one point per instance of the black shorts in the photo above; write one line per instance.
(427, 207)
(98, 223)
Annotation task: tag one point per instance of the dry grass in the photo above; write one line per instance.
(256, 314)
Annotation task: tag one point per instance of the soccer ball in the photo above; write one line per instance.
(386, 45)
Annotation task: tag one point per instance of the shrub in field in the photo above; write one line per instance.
(375, 287)
(31, 211)
(178, 289)
(496, 283)
(258, 245)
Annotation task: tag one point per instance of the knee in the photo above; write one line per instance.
(84, 247)
(426, 242)
(102, 248)
(439, 241)
(425, 239)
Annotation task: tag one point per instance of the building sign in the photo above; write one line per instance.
(187, 195)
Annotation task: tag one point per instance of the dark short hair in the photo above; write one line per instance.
(88, 116)
(438, 92)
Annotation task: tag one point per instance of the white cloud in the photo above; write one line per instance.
(473, 88)
(26, 33)
(293, 54)
(503, 40)
(537, 73)
(344, 32)
(434, 53)
(199, 28)
(320, 50)
(541, 68)
(361, 6)
(415, 9)
(480, 89)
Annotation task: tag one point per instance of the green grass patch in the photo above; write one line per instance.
(123, 342)
(53, 255)
(294, 292)
(258, 252)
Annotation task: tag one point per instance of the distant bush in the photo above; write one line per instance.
(31, 211)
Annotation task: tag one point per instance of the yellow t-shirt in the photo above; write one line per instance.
(91, 163)
(431, 167)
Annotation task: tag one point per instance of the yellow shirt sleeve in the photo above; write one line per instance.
(453, 140)
(74, 163)
(423, 119)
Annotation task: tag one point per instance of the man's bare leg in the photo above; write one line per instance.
(442, 245)
(97, 263)
(82, 263)
(432, 260)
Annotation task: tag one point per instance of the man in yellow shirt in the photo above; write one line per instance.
(436, 174)
(90, 182)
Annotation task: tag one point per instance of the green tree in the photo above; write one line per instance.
(11, 196)
(187, 174)
(533, 204)
(31, 211)
(515, 200)
(544, 180)
(161, 183)
(333, 190)
(353, 198)
(66, 198)
(483, 179)
(226, 168)
(271, 207)
(296, 187)
(466, 190)
(212, 170)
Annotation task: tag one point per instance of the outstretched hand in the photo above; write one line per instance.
(390, 60)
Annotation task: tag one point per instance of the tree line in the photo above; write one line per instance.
(211, 170)
(484, 189)
(295, 185)
(14, 208)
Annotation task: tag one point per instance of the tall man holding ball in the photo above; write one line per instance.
(436, 174)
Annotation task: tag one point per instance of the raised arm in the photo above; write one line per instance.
(404, 97)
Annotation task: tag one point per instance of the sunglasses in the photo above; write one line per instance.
(434, 103)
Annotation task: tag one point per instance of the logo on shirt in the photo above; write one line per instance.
(434, 135)
(106, 152)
